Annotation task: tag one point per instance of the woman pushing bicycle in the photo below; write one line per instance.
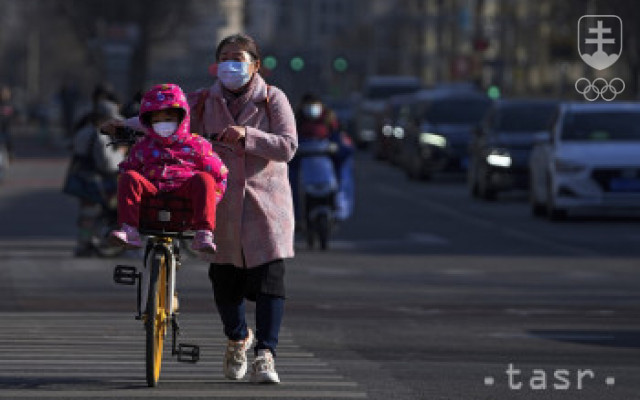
(252, 128)
(169, 158)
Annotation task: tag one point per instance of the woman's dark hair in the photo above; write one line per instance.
(245, 42)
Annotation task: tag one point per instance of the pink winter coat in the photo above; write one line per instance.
(169, 162)
(255, 217)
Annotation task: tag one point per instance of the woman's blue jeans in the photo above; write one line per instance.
(269, 312)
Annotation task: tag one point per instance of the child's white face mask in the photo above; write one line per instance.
(165, 129)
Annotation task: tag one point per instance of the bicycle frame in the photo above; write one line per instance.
(166, 246)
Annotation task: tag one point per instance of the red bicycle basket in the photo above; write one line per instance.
(167, 213)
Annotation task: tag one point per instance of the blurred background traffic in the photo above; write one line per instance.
(56, 51)
(428, 85)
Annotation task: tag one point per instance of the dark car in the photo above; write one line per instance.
(369, 112)
(394, 117)
(502, 144)
(438, 135)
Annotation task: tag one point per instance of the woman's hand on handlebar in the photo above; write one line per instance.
(232, 134)
(111, 126)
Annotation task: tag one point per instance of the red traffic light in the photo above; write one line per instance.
(480, 44)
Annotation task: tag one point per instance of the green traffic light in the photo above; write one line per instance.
(297, 63)
(493, 92)
(340, 64)
(270, 62)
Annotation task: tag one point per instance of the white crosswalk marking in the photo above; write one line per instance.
(101, 355)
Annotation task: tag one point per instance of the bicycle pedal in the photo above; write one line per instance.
(125, 275)
(189, 353)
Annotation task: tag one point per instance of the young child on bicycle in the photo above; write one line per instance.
(170, 159)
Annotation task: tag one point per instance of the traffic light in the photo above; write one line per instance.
(340, 64)
(480, 44)
(270, 62)
(493, 92)
(296, 64)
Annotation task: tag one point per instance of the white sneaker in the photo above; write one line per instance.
(235, 357)
(263, 369)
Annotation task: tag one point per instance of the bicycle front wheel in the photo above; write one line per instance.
(157, 316)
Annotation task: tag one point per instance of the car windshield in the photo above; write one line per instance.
(598, 126)
(525, 118)
(457, 111)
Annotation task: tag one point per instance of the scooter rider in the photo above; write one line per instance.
(89, 143)
(316, 121)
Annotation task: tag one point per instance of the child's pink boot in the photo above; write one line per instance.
(127, 236)
(203, 242)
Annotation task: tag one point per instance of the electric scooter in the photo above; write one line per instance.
(316, 185)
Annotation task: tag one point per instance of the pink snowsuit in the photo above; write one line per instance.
(183, 163)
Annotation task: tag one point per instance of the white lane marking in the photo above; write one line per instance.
(209, 380)
(35, 253)
(37, 344)
(106, 352)
(416, 310)
(556, 336)
(57, 342)
(176, 394)
(36, 243)
(481, 222)
(36, 247)
(331, 271)
(411, 238)
(283, 363)
(586, 275)
(292, 375)
(554, 311)
(462, 272)
(111, 338)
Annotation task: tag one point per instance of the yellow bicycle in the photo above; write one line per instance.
(157, 298)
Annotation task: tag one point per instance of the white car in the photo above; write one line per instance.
(590, 160)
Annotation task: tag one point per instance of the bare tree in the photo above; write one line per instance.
(153, 21)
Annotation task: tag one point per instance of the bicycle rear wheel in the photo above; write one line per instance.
(157, 315)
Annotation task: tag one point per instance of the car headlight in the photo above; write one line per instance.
(387, 130)
(568, 166)
(398, 132)
(499, 158)
(433, 139)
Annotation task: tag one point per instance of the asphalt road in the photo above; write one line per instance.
(424, 294)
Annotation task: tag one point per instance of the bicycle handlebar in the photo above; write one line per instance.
(123, 135)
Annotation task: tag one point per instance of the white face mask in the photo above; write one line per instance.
(234, 74)
(165, 129)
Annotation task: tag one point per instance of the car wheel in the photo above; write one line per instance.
(472, 182)
(537, 209)
(557, 214)
(485, 190)
(414, 167)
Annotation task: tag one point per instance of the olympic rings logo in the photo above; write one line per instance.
(599, 88)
